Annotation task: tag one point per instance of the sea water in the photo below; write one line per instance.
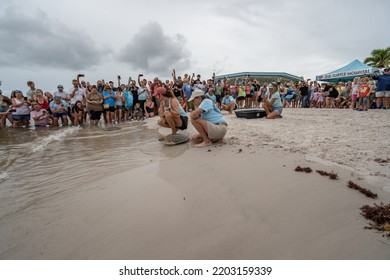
(36, 164)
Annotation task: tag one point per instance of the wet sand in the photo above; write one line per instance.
(240, 199)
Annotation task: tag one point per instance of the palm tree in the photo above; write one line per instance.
(379, 58)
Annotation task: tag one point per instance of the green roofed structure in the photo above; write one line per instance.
(261, 76)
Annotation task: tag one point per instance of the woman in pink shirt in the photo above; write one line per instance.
(39, 115)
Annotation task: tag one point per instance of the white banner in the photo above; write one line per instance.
(345, 74)
(240, 269)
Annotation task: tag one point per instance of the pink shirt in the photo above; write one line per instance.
(43, 121)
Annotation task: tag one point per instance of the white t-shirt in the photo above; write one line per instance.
(78, 96)
(64, 95)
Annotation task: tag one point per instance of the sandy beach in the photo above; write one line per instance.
(238, 199)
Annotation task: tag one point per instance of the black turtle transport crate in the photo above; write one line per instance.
(250, 113)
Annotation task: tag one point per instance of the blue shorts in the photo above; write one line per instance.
(278, 110)
(60, 115)
(21, 117)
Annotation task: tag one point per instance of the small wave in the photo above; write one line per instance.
(4, 176)
(58, 136)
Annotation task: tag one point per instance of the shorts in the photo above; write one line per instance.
(241, 98)
(372, 96)
(354, 97)
(21, 117)
(216, 132)
(111, 109)
(278, 110)
(385, 93)
(60, 115)
(363, 100)
(118, 106)
(95, 115)
(127, 109)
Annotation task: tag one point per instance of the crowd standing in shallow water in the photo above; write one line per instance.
(142, 99)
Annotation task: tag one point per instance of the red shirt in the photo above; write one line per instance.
(364, 90)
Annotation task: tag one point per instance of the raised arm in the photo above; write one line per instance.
(174, 76)
(139, 79)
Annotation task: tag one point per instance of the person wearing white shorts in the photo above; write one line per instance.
(383, 89)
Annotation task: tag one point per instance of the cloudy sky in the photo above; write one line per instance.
(50, 41)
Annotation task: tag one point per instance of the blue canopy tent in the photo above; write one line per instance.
(354, 69)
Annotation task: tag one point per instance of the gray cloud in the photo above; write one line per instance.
(152, 51)
(37, 40)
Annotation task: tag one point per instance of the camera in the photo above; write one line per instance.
(81, 75)
(140, 75)
(119, 77)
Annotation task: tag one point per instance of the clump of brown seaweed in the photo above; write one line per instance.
(364, 191)
(379, 214)
(331, 175)
(303, 169)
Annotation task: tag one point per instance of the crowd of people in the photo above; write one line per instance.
(170, 100)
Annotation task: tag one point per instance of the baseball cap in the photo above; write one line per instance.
(161, 90)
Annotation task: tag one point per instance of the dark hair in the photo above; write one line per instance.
(77, 109)
(169, 93)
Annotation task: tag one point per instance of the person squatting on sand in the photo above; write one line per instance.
(207, 120)
(272, 102)
(170, 111)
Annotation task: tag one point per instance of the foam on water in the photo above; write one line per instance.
(57, 136)
(31, 172)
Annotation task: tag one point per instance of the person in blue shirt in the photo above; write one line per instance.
(272, 102)
(129, 101)
(109, 104)
(228, 103)
(207, 120)
(210, 94)
(383, 89)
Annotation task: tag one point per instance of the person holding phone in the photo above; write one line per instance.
(21, 116)
(59, 109)
(143, 92)
(5, 112)
(40, 115)
(109, 104)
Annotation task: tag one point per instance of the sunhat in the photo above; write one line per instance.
(195, 93)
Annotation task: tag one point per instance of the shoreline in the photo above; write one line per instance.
(233, 200)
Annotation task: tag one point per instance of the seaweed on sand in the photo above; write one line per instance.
(303, 169)
(364, 191)
(331, 175)
(379, 215)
